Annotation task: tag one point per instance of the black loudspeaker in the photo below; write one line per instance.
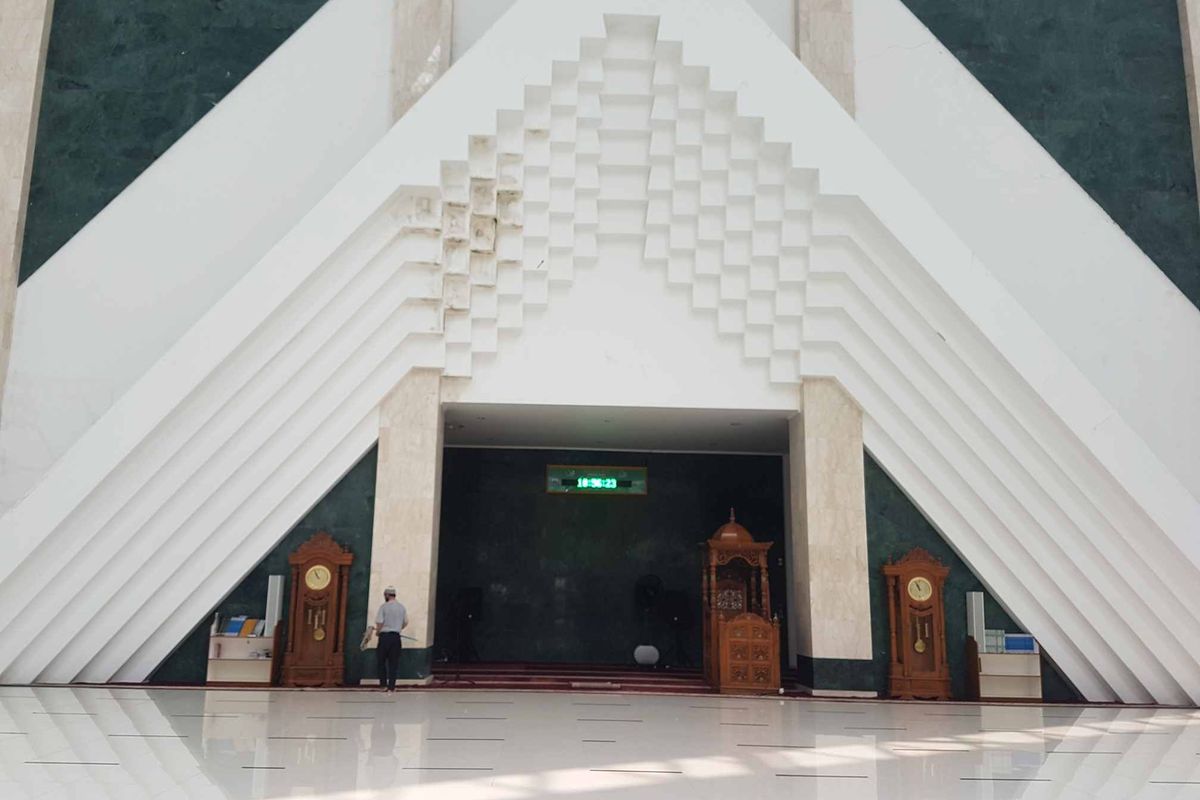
(647, 592)
(468, 604)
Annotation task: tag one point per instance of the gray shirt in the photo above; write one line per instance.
(392, 617)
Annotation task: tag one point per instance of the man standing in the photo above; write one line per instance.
(391, 619)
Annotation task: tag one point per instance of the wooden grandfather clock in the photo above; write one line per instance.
(917, 616)
(316, 634)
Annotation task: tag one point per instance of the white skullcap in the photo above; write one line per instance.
(390, 590)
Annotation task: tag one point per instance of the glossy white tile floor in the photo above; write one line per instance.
(344, 745)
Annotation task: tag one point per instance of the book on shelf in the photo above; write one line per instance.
(1019, 643)
(259, 627)
(247, 627)
(233, 626)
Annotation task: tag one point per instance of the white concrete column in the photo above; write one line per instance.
(24, 34)
(828, 529)
(421, 53)
(825, 44)
(1189, 30)
(408, 493)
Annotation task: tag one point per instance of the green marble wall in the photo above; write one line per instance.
(558, 571)
(1100, 84)
(124, 80)
(895, 526)
(347, 514)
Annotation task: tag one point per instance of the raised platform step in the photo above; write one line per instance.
(577, 677)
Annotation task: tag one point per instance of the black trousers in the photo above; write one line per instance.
(387, 652)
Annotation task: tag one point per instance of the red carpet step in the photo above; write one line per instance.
(570, 677)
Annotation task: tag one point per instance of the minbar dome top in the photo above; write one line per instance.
(732, 532)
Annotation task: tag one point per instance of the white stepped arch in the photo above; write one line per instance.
(803, 243)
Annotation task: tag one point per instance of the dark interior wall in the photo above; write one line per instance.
(1100, 84)
(124, 80)
(895, 526)
(346, 513)
(558, 571)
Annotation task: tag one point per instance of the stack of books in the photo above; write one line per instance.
(242, 625)
(1019, 643)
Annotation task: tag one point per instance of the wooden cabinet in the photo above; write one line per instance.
(917, 617)
(741, 638)
(316, 635)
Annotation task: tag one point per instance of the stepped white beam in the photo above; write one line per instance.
(780, 223)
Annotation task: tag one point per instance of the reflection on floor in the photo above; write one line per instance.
(354, 745)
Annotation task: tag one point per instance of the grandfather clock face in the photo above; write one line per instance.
(317, 577)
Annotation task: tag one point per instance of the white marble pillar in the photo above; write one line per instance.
(408, 489)
(24, 34)
(423, 30)
(1189, 30)
(828, 534)
(825, 44)
(408, 476)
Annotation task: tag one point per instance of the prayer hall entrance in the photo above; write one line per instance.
(572, 536)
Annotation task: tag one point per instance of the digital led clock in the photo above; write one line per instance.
(571, 479)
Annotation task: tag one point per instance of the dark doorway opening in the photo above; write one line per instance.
(529, 576)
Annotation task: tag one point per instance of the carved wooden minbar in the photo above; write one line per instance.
(741, 638)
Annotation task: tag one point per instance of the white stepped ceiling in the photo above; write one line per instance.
(684, 135)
